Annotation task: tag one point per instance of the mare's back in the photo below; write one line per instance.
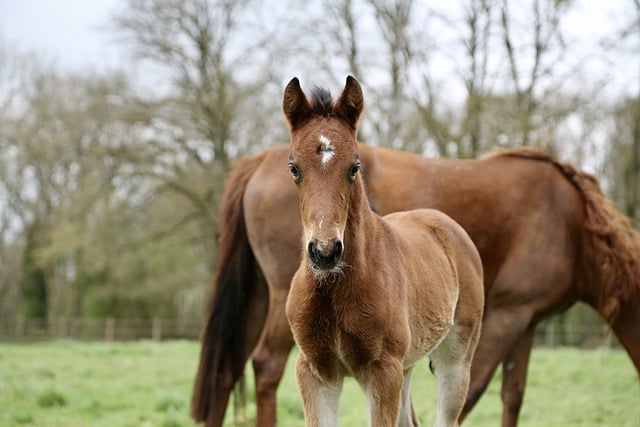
(502, 202)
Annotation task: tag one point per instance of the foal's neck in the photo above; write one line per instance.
(363, 226)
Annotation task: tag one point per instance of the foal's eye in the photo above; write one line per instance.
(295, 172)
(354, 170)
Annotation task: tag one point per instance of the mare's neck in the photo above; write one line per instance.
(625, 325)
(623, 316)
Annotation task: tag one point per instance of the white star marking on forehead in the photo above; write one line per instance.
(326, 149)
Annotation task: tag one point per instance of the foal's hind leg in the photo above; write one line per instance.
(452, 364)
(408, 416)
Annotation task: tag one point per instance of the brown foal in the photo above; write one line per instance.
(373, 295)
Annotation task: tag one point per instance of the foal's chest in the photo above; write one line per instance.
(336, 335)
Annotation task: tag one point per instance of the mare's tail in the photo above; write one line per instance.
(615, 247)
(239, 298)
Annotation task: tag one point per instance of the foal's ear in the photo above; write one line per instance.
(295, 105)
(351, 102)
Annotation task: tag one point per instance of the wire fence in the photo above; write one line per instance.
(92, 329)
(590, 334)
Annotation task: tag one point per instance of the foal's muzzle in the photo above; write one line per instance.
(325, 255)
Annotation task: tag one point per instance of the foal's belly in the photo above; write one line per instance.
(354, 352)
(422, 344)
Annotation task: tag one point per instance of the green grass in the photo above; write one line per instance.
(149, 384)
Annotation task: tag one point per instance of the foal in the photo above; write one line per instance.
(372, 295)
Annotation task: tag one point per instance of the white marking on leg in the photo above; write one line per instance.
(326, 149)
(329, 404)
(406, 413)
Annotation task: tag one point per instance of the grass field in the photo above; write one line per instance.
(148, 384)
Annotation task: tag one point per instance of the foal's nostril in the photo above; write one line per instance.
(312, 250)
(325, 256)
(337, 250)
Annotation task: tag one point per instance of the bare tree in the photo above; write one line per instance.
(345, 33)
(390, 124)
(46, 136)
(458, 128)
(546, 41)
(478, 21)
(624, 153)
(197, 43)
(464, 130)
(632, 169)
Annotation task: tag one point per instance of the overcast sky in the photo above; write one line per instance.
(72, 31)
(67, 31)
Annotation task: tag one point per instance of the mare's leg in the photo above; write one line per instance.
(270, 358)
(501, 330)
(382, 382)
(514, 378)
(536, 278)
(408, 416)
(320, 398)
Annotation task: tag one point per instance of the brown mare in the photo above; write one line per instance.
(373, 295)
(546, 234)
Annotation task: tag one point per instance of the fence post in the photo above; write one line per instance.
(608, 343)
(62, 327)
(156, 329)
(20, 326)
(110, 329)
(550, 332)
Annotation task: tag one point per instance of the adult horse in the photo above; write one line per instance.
(373, 295)
(546, 234)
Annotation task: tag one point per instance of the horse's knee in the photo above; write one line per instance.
(268, 370)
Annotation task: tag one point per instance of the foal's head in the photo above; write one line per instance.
(324, 164)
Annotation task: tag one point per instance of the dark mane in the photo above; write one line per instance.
(321, 101)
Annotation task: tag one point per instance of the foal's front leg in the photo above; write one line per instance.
(320, 398)
(382, 383)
